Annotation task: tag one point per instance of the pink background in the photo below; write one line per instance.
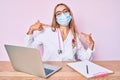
(99, 17)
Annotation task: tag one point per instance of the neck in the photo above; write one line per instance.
(64, 32)
(64, 29)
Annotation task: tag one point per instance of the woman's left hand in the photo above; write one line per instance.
(88, 39)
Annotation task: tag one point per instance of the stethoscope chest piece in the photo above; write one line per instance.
(59, 51)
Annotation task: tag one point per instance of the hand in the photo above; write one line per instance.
(88, 39)
(37, 26)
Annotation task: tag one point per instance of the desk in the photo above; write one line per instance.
(66, 73)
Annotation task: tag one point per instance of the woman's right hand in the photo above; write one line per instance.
(37, 26)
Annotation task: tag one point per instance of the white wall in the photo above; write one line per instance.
(99, 17)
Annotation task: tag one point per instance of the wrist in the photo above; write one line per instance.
(30, 31)
(91, 46)
(92, 43)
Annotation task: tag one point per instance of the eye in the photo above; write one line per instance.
(65, 11)
(58, 13)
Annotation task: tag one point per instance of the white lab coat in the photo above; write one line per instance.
(50, 41)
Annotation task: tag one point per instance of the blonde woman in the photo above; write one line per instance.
(60, 40)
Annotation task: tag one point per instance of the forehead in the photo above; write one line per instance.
(60, 8)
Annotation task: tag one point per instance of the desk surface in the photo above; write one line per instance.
(66, 73)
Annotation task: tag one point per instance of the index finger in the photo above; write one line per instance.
(45, 24)
(83, 33)
(86, 34)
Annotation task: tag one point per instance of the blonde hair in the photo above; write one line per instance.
(71, 24)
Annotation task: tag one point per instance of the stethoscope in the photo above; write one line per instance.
(60, 51)
(59, 45)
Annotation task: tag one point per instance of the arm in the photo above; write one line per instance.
(89, 40)
(84, 54)
(37, 26)
(30, 40)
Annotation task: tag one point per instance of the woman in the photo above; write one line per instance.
(61, 40)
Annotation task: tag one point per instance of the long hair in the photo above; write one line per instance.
(71, 24)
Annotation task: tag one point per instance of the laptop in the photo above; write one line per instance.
(28, 60)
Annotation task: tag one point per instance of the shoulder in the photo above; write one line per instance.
(44, 31)
(47, 29)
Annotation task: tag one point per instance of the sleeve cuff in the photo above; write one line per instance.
(29, 36)
(90, 51)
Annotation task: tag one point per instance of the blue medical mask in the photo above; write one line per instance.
(64, 19)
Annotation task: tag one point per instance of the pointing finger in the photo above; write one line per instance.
(84, 34)
(42, 24)
(45, 24)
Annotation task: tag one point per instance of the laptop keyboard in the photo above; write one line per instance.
(48, 71)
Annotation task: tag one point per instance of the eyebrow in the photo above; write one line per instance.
(62, 10)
